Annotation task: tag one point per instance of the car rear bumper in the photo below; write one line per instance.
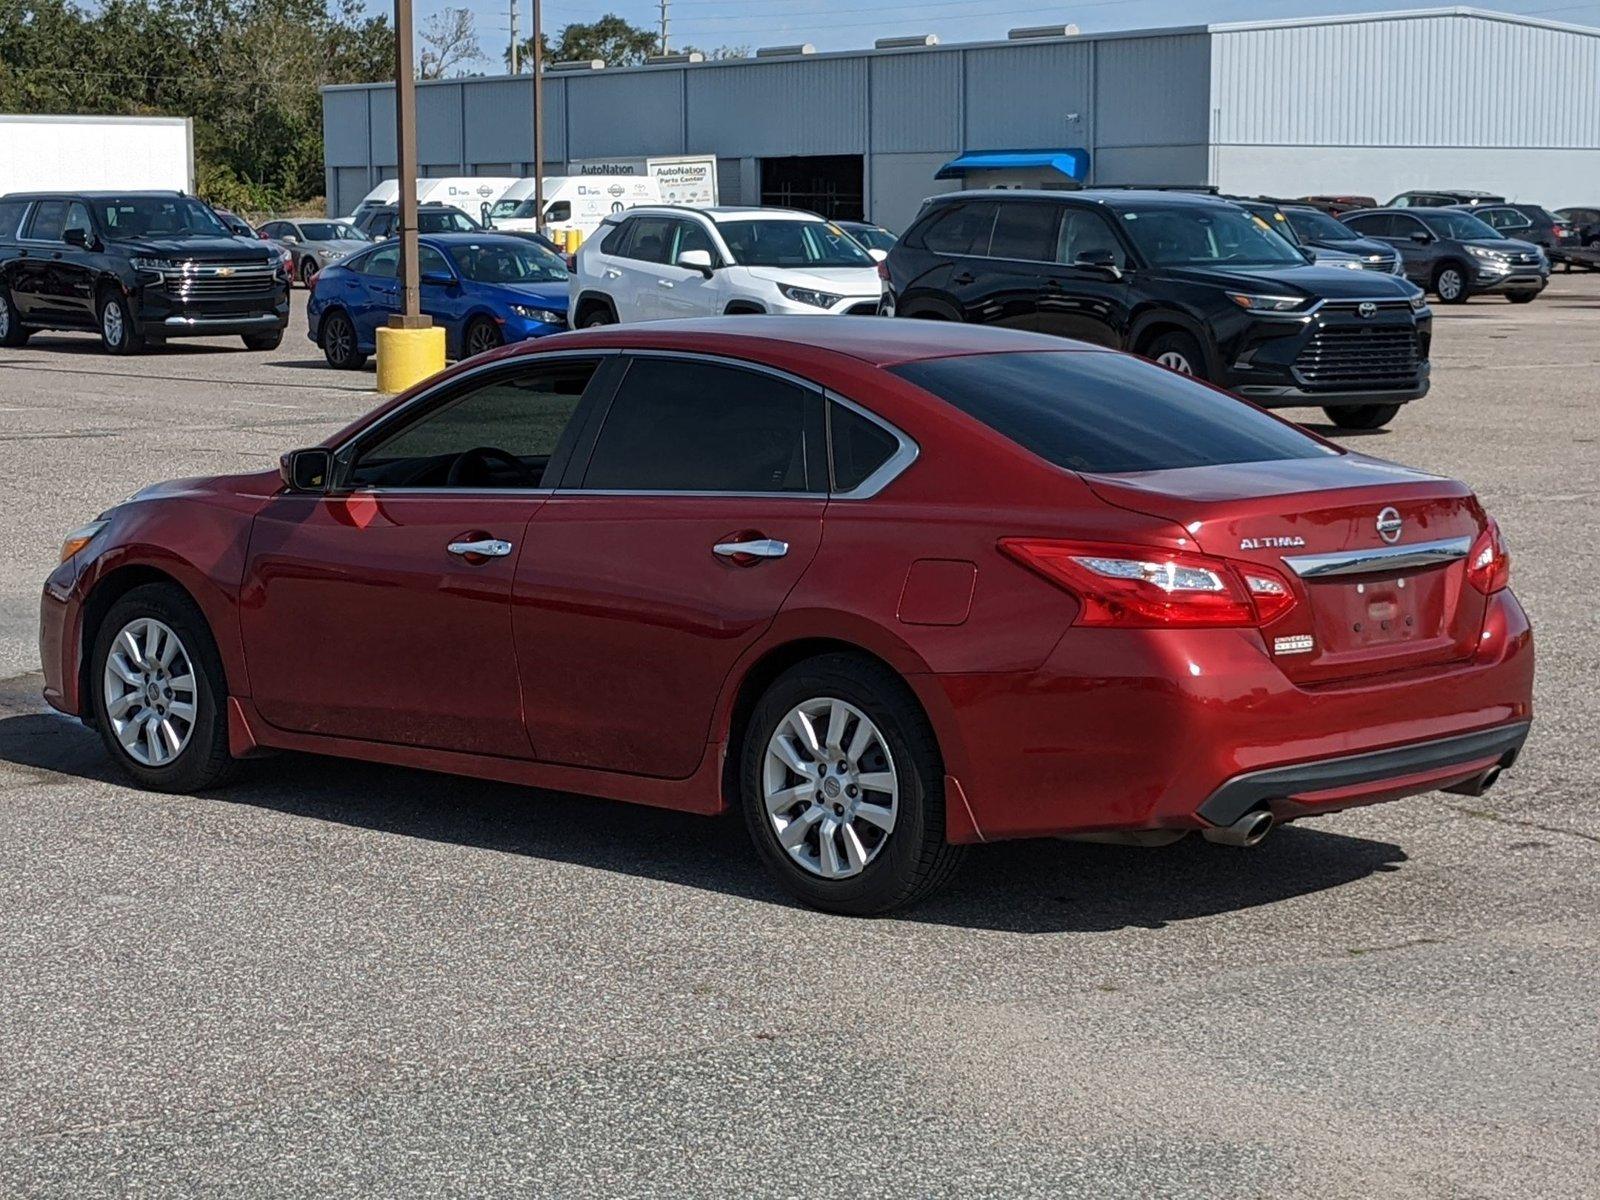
(1144, 729)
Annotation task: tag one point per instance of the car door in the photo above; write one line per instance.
(75, 269)
(666, 555)
(382, 612)
(686, 291)
(373, 292)
(1421, 254)
(35, 289)
(641, 265)
(1019, 267)
(446, 302)
(1086, 292)
(961, 236)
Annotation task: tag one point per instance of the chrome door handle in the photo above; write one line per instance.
(756, 548)
(663, 283)
(611, 274)
(488, 548)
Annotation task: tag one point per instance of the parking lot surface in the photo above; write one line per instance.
(337, 979)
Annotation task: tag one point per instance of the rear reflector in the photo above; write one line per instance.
(1489, 562)
(1143, 587)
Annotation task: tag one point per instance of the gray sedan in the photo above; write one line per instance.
(315, 242)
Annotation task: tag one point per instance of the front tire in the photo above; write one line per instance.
(263, 341)
(1178, 352)
(118, 334)
(481, 336)
(842, 786)
(1450, 284)
(1362, 416)
(158, 692)
(12, 332)
(308, 268)
(1521, 297)
(339, 346)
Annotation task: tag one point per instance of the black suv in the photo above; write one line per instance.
(381, 222)
(1530, 223)
(140, 267)
(1191, 281)
(1442, 198)
(1456, 255)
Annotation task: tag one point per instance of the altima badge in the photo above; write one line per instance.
(1390, 525)
(1299, 643)
(1271, 543)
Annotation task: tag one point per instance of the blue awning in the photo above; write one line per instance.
(1072, 163)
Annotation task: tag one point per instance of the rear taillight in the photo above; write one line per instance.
(1144, 587)
(883, 269)
(1489, 562)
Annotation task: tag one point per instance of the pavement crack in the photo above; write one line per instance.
(1488, 814)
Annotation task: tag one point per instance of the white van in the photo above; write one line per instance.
(578, 202)
(469, 193)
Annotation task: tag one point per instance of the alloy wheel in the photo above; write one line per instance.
(340, 339)
(150, 692)
(111, 323)
(830, 786)
(1173, 360)
(5, 315)
(481, 337)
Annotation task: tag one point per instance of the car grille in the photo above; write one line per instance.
(867, 308)
(202, 281)
(1371, 357)
(1523, 259)
(1386, 265)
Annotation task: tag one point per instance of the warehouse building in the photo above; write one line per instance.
(1370, 104)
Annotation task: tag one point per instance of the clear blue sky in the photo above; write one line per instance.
(845, 24)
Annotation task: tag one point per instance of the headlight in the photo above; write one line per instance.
(1484, 252)
(810, 296)
(1419, 302)
(546, 315)
(153, 264)
(329, 255)
(1268, 303)
(80, 537)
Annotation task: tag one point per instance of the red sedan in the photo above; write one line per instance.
(889, 587)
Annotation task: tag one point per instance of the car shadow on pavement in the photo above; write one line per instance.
(1019, 887)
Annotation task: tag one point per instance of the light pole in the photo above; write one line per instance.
(538, 115)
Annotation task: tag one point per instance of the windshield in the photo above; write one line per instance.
(1195, 236)
(792, 244)
(509, 262)
(124, 218)
(449, 220)
(1315, 226)
(330, 231)
(1458, 225)
(873, 237)
(516, 210)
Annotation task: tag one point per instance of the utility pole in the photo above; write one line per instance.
(538, 114)
(513, 54)
(665, 7)
(405, 140)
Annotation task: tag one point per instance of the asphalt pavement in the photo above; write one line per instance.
(334, 979)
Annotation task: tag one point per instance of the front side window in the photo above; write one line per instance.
(770, 243)
(1381, 225)
(1206, 235)
(1085, 233)
(1107, 413)
(78, 218)
(129, 218)
(501, 434)
(693, 236)
(682, 426)
(1462, 227)
(431, 262)
(450, 220)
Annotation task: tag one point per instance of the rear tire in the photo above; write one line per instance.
(12, 332)
(892, 776)
(1362, 416)
(263, 341)
(1450, 284)
(1178, 352)
(167, 726)
(118, 335)
(339, 346)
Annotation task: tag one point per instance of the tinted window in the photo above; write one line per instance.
(860, 447)
(649, 239)
(1107, 412)
(509, 260)
(448, 220)
(1206, 235)
(616, 239)
(1459, 225)
(693, 236)
(1086, 232)
(961, 229)
(383, 264)
(49, 219)
(78, 218)
(561, 210)
(1376, 225)
(523, 416)
(1025, 231)
(779, 243)
(682, 426)
(1313, 225)
(431, 262)
(11, 216)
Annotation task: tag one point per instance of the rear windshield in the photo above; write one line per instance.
(1101, 412)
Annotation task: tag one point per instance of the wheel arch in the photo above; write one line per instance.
(106, 591)
(1148, 326)
(928, 308)
(588, 301)
(744, 308)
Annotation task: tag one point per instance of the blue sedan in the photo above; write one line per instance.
(485, 289)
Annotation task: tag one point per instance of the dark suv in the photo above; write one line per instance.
(1456, 255)
(1442, 198)
(381, 222)
(140, 267)
(1530, 223)
(1191, 281)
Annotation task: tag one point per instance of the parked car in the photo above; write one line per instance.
(139, 267)
(873, 237)
(666, 261)
(1443, 199)
(1320, 230)
(1454, 254)
(888, 587)
(239, 227)
(1530, 223)
(1274, 217)
(1585, 222)
(382, 220)
(1340, 204)
(1188, 280)
(485, 289)
(315, 243)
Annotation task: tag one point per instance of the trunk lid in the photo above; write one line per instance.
(1370, 601)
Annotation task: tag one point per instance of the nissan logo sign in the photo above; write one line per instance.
(1390, 525)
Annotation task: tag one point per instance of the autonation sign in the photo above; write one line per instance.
(684, 179)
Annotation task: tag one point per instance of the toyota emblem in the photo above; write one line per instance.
(1368, 309)
(1390, 525)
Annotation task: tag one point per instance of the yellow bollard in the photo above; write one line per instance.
(408, 356)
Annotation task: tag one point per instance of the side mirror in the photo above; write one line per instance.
(878, 254)
(288, 239)
(76, 237)
(1099, 260)
(439, 278)
(697, 260)
(308, 470)
(1422, 237)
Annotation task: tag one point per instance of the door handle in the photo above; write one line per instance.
(487, 548)
(664, 283)
(751, 550)
(608, 273)
(963, 277)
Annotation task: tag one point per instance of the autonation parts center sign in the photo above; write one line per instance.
(684, 179)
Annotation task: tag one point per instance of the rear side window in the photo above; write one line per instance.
(649, 239)
(860, 447)
(961, 229)
(1026, 232)
(1107, 412)
(682, 426)
(11, 217)
(616, 238)
(1375, 225)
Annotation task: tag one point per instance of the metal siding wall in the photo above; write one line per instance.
(439, 127)
(626, 115)
(1022, 96)
(771, 110)
(344, 128)
(380, 126)
(916, 102)
(499, 120)
(728, 189)
(1152, 91)
(1415, 81)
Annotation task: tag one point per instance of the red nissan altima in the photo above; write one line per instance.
(889, 587)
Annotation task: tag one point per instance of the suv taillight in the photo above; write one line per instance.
(883, 270)
(1146, 587)
(1489, 562)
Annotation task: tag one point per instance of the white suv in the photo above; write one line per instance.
(659, 262)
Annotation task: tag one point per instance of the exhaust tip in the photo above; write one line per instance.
(1248, 830)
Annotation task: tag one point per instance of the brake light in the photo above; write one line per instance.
(1143, 587)
(883, 269)
(1489, 562)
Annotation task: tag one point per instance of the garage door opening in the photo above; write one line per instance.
(828, 184)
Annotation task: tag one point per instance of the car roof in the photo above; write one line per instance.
(1109, 197)
(469, 237)
(722, 212)
(74, 193)
(876, 340)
